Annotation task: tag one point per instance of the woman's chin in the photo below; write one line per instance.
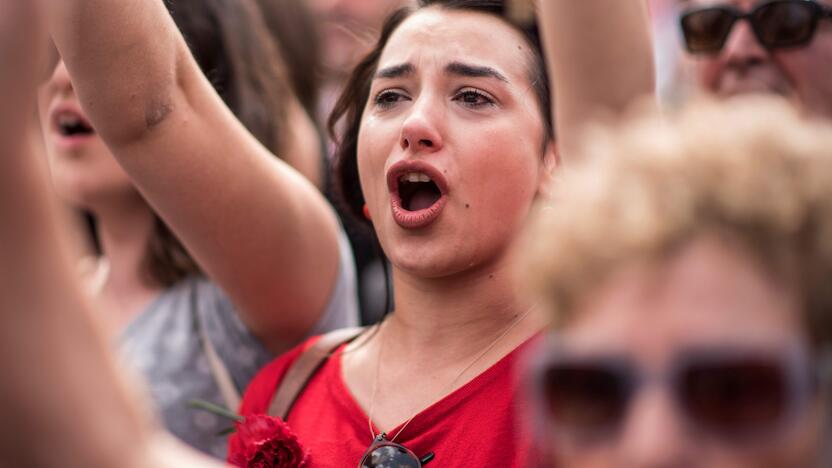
(420, 268)
(434, 267)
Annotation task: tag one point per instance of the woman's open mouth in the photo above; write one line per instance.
(418, 193)
(71, 127)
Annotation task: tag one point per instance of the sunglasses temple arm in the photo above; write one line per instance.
(427, 458)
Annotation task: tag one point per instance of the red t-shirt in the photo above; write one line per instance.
(479, 425)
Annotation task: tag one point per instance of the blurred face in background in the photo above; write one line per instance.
(798, 72)
(84, 172)
(350, 29)
(699, 360)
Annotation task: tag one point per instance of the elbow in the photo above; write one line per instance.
(150, 105)
(134, 123)
(133, 120)
(156, 112)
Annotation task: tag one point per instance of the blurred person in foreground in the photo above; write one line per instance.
(686, 268)
(65, 401)
(781, 47)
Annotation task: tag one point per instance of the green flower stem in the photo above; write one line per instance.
(215, 409)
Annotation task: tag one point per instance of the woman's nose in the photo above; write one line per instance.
(421, 129)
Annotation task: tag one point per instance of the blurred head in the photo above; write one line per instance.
(784, 48)
(235, 51)
(686, 269)
(447, 131)
(83, 170)
(348, 29)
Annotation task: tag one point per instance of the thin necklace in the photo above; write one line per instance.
(445, 389)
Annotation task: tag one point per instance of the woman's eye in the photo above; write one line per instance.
(473, 98)
(387, 99)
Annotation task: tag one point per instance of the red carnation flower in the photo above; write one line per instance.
(268, 442)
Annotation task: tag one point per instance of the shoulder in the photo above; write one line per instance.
(260, 391)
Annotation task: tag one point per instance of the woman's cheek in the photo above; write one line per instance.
(504, 192)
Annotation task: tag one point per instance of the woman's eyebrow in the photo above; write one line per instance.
(453, 68)
(396, 71)
(474, 71)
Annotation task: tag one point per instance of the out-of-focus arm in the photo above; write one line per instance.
(63, 401)
(600, 60)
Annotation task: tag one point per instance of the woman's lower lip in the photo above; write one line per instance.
(69, 142)
(416, 219)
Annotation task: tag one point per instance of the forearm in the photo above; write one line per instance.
(61, 394)
(127, 60)
(600, 59)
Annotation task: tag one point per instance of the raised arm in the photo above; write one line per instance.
(600, 60)
(255, 225)
(62, 398)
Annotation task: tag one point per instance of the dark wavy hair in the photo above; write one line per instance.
(234, 49)
(350, 105)
(295, 30)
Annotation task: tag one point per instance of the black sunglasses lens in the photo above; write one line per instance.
(784, 24)
(390, 456)
(586, 397)
(734, 398)
(706, 30)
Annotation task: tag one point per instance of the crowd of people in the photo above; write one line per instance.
(455, 233)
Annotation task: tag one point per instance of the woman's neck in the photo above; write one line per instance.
(443, 333)
(124, 229)
(460, 315)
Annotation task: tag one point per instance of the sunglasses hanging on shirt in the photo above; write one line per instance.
(776, 24)
(384, 453)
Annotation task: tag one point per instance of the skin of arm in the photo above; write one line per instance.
(600, 59)
(256, 226)
(63, 399)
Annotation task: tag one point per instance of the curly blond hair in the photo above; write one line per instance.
(752, 169)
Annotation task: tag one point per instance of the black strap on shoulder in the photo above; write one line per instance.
(302, 370)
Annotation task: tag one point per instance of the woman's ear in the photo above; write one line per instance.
(551, 162)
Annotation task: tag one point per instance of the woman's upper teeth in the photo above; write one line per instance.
(414, 177)
(67, 120)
